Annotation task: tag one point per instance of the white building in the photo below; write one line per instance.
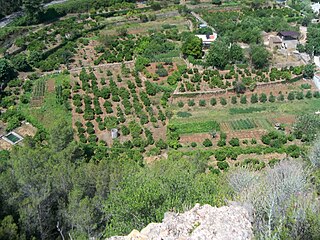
(207, 39)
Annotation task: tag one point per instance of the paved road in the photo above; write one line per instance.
(8, 19)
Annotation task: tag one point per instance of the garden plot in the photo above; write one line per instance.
(38, 93)
(108, 98)
(239, 121)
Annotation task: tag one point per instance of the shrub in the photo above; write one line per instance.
(272, 98)
(223, 165)
(234, 100)
(162, 72)
(214, 170)
(184, 114)
(254, 98)
(223, 101)
(234, 142)
(223, 135)
(220, 155)
(125, 130)
(316, 94)
(191, 102)
(193, 144)
(243, 99)
(291, 96)
(263, 98)
(300, 95)
(202, 103)
(221, 143)
(161, 144)
(213, 101)
(309, 94)
(180, 104)
(281, 97)
(207, 143)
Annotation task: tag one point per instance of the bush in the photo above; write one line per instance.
(202, 103)
(309, 94)
(207, 143)
(254, 98)
(222, 142)
(291, 96)
(191, 102)
(243, 99)
(300, 95)
(272, 98)
(316, 94)
(234, 100)
(220, 155)
(180, 104)
(223, 101)
(184, 114)
(213, 101)
(193, 144)
(223, 165)
(234, 142)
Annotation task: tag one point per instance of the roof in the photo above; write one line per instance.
(207, 38)
(292, 34)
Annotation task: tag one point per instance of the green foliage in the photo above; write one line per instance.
(207, 143)
(146, 187)
(192, 46)
(259, 56)
(6, 71)
(307, 126)
(198, 127)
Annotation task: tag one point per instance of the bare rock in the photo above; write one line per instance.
(200, 223)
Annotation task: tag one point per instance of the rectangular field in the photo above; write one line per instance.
(236, 118)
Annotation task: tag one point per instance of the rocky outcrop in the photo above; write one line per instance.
(201, 223)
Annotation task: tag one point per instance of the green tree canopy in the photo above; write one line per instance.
(259, 56)
(192, 46)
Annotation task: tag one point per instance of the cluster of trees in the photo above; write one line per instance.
(65, 188)
(222, 53)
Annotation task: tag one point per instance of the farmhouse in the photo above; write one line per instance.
(207, 39)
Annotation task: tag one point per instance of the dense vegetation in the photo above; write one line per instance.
(93, 66)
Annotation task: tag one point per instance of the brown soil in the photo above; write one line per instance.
(51, 85)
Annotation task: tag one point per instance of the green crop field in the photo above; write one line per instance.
(259, 115)
(197, 127)
(50, 112)
(243, 124)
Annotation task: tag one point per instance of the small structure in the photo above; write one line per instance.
(207, 39)
(12, 138)
(275, 42)
(114, 133)
(203, 25)
(289, 35)
(315, 7)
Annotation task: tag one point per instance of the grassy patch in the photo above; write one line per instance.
(243, 124)
(261, 114)
(197, 127)
(246, 110)
(50, 112)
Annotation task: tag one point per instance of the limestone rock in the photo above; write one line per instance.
(200, 223)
